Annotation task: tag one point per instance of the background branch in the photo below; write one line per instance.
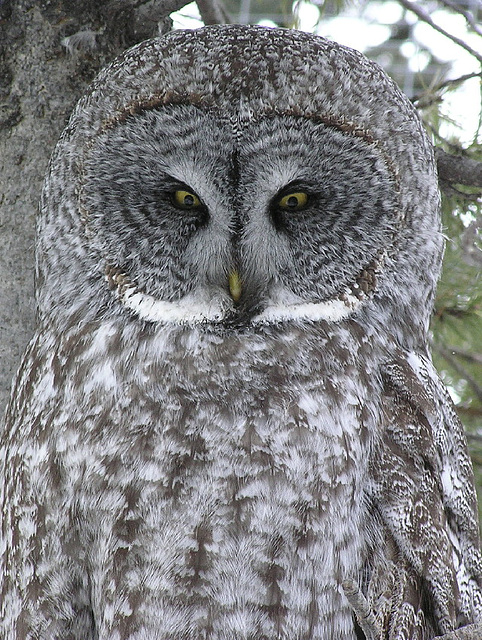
(432, 95)
(458, 169)
(425, 17)
(468, 16)
(471, 250)
(212, 12)
(461, 370)
(470, 357)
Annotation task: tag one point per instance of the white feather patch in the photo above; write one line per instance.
(331, 310)
(193, 310)
(185, 311)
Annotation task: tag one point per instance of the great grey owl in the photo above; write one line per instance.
(228, 425)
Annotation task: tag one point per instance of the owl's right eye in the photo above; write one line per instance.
(186, 200)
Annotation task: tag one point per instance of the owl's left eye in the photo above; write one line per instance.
(186, 199)
(293, 201)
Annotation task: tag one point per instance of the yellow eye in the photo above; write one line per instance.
(293, 201)
(186, 199)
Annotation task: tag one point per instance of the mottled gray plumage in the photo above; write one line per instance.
(182, 463)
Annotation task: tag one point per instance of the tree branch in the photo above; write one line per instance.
(458, 169)
(154, 13)
(445, 353)
(425, 17)
(131, 21)
(470, 249)
(212, 12)
(468, 16)
(475, 437)
(465, 355)
(432, 94)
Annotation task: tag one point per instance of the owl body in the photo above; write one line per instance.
(207, 514)
(226, 419)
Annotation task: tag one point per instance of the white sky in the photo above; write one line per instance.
(364, 26)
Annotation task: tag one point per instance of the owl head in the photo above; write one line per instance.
(237, 176)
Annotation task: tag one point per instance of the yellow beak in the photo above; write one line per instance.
(235, 285)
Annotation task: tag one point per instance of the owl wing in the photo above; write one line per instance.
(426, 567)
(43, 592)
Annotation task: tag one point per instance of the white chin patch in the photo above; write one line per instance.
(214, 308)
(188, 310)
(330, 310)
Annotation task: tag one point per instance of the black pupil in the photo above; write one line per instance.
(188, 200)
(292, 202)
